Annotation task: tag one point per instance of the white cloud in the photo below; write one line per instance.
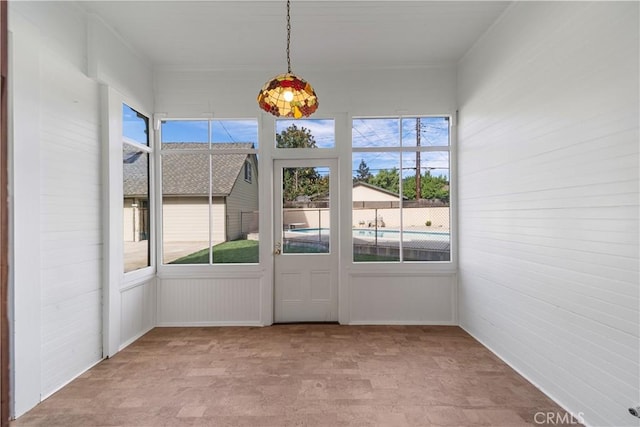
(323, 130)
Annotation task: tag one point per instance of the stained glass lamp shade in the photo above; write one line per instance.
(287, 95)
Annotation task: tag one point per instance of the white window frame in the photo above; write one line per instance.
(115, 279)
(451, 264)
(210, 269)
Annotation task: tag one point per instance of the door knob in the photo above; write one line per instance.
(278, 249)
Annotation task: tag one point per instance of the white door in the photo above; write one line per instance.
(306, 240)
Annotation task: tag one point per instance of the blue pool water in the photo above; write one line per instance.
(382, 233)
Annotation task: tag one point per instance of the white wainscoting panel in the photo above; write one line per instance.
(548, 201)
(209, 301)
(138, 311)
(403, 299)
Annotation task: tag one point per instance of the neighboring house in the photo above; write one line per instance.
(363, 192)
(373, 206)
(185, 193)
(369, 196)
(136, 194)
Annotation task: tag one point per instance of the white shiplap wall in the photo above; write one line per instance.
(70, 224)
(548, 201)
(56, 199)
(56, 268)
(197, 93)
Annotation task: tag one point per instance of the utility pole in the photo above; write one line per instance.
(418, 169)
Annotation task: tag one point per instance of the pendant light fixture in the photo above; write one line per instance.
(287, 95)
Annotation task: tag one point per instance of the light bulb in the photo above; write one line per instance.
(288, 96)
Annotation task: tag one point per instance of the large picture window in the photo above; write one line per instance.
(135, 164)
(209, 191)
(401, 183)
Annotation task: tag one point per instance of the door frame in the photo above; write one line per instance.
(332, 259)
(4, 221)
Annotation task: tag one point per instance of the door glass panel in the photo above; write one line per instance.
(305, 210)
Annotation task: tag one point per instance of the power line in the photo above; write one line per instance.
(225, 129)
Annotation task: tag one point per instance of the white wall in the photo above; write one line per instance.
(371, 92)
(342, 93)
(113, 61)
(548, 201)
(56, 202)
(56, 220)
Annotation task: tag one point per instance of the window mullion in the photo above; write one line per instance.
(210, 195)
(401, 198)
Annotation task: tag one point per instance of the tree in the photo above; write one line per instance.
(300, 181)
(433, 187)
(363, 174)
(389, 179)
(292, 137)
(409, 187)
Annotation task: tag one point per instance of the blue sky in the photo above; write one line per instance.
(133, 126)
(434, 132)
(366, 132)
(437, 163)
(222, 131)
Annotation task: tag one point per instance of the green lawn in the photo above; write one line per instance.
(246, 252)
(237, 251)
(373, 258)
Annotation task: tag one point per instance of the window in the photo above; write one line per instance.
(247, 171)
(305, 133)
(401, 185)
(135, 165)
(209, 194)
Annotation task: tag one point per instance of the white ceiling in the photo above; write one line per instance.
(342, 34)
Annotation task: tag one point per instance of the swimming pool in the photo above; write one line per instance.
(387, 234)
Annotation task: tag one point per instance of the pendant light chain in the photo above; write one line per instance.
(288, 95)
(288, 36)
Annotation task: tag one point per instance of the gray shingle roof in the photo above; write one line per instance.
(186, 174)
